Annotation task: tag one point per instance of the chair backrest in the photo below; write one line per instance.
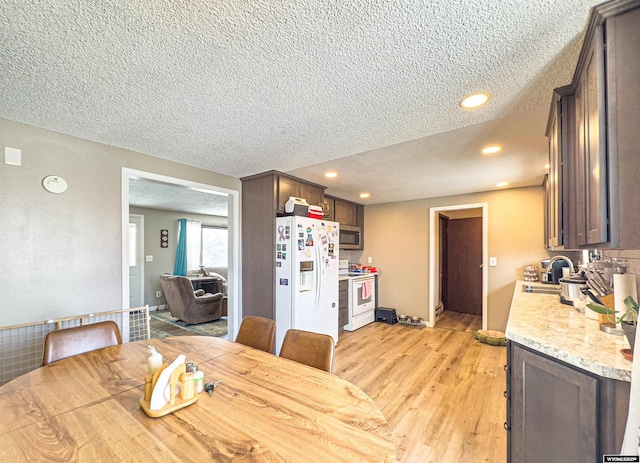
(258, 332)
(68, 342)
(313, 349)
(178, 290)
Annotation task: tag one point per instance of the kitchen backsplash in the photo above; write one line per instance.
(632, 255)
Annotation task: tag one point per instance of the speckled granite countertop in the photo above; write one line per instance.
(540, 322)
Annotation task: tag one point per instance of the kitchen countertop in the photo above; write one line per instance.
(347, 277)
(540, 322)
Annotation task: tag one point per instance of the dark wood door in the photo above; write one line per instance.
(444, 259)
(464, 266)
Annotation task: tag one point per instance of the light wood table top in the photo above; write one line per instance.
(269, 409)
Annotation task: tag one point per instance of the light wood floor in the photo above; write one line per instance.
(440, 390)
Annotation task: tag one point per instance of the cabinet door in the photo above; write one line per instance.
(553, 202)
(595, 138)
(329, 209)
(547, 199)
(345, 213)
(343, 303)
(288, 187)
(312, 194)
(579, 172)
(553, 411)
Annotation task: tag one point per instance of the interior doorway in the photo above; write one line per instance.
(233, 271)
(136, 260)
(458, 246)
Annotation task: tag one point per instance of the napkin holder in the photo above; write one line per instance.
(161, 395)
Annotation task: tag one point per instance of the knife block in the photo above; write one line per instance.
(608, 302)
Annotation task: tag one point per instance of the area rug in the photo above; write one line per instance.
(164, 325)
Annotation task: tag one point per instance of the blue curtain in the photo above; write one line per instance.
(181, 252)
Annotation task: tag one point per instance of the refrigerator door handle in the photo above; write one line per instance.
(318, 276)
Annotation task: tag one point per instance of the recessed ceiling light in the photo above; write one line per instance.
(492, 149)
(502, 183)
(330, 174)
(364, 195)
(474, 100)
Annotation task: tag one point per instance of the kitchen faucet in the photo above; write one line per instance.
(566, 259)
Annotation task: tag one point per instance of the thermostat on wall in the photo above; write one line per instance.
(54, 184)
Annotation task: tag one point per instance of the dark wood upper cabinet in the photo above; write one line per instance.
(345, 213)
(601, 163)
(560, 132)
(328, 208)
(591, 156)
(291, 186)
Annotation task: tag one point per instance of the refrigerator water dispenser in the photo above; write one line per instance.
(307, 276)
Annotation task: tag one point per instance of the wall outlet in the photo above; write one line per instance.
(369, 260)
(493, 261)
(158, 293)
(149, 259)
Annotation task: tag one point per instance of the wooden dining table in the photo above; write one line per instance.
(264, 409)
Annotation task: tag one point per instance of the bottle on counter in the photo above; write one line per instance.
(154, 361)
(198, 379)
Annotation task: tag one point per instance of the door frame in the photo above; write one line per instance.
(434, 263)
(233, 271)
(140, 253)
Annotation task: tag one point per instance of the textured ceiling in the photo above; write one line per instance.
(247, 86)
(158, 195)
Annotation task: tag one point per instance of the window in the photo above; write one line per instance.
(214, 246)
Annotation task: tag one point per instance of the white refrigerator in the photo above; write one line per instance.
(306, 276)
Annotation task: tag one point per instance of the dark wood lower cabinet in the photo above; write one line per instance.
(560, 413)
(343, 303)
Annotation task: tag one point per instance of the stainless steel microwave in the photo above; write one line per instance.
(350, 237)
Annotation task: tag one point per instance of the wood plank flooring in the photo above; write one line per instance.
(440, 390)
(459, 321)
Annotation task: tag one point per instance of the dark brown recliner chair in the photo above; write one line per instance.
(186, 305)
(313, 349)
(257, 332)
(68, 342)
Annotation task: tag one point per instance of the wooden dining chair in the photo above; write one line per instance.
(68, 342)
(257, 332)
(313, 349)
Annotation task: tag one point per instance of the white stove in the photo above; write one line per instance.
(362, 296)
